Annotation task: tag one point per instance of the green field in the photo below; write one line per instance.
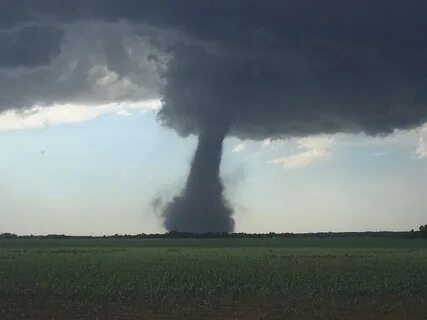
(348, 278)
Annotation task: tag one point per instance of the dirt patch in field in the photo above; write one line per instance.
(390, 308)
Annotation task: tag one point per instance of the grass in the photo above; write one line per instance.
(302, 273)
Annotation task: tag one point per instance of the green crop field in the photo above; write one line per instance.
(332, 278)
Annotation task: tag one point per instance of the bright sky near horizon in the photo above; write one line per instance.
(97, 170)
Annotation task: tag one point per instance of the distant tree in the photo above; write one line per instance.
(423, 231)
(412, 234)
(8, 235)
(56, 236)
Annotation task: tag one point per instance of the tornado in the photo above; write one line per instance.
(248, 69)
(202, 207)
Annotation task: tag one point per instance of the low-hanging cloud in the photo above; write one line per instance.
(268, 69)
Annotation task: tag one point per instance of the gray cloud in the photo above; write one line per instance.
(268, 68)
(343, 73)
(29, 46)
(97, 63)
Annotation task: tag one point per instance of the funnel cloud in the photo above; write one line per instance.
(202, 207)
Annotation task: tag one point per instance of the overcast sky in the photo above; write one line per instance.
(324, 105)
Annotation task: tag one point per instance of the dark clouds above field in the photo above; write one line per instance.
(263, 68)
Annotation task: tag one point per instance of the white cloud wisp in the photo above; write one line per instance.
(311, 149)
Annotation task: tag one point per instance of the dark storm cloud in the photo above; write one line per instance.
(271, 68)
(97, 63)
(299, 70)
(30, 46)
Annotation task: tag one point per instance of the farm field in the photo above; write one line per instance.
(331, 278)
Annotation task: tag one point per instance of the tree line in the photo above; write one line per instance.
(421, 233)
